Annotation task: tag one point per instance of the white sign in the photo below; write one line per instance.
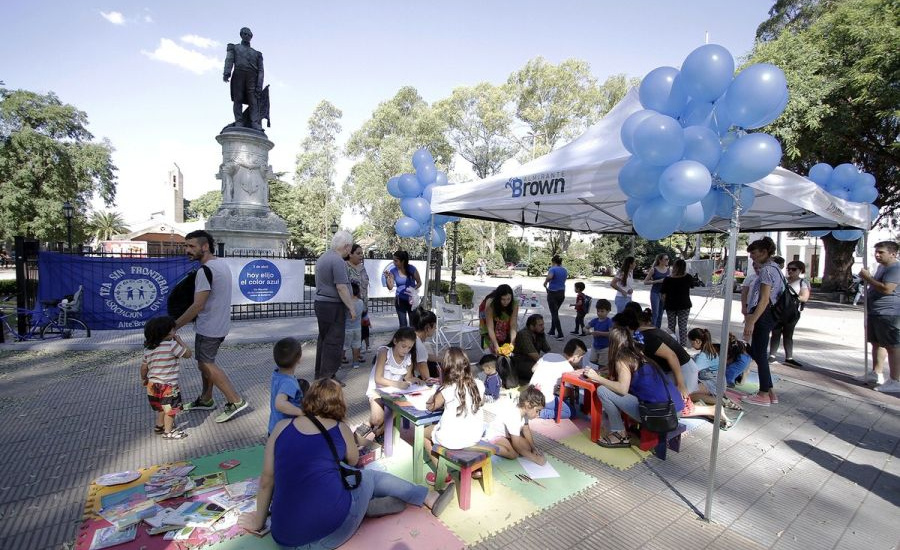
(266, 280)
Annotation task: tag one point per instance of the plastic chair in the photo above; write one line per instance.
(452, 327)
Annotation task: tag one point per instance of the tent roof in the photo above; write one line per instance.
(576, 188)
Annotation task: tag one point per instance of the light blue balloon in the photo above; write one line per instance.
(865, 180)
(873, 213)
(707, 72)
(864, 194)
(720, 121)
(626, 133)
(631, 206)
(657, 219)
(640, 180)
(426, 193)
(409, 186)
(710, 204)
(702, 145)
(750, 158)
(422, 156)
(426, 173)
(416, 208)
(755, 93)
(441, 219)
(693, 218)
(696, 113)
(685, 182)
(438, 236)
(659, 140)
(406, 227)
(440, 178)
(843, 177)
(393, 187)
(660, 92)
(819, 233)
(820, 173)
(771, 116)
(747, 197)
(847, 234)
(725, 205)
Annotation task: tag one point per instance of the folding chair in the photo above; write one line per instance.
(452, 328)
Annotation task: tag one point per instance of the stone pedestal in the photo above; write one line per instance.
(244, 223)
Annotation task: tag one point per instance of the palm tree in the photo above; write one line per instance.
(104, 225)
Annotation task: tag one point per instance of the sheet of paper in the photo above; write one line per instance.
(536, 471)
(398, 391)
(419, 398)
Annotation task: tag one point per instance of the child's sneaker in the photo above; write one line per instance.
(431, 477)
(355, 365)
(231, 409)
(175, 434)
(199, 405)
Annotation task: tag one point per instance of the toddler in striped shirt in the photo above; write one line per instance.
(159, 373)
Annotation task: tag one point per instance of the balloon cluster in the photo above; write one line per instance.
(414, 192)
(846, 182)
(691, 153)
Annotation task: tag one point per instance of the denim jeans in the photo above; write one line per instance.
(759, 348)
(403, 308)
(621, 302)
(374, 485)
(614, 405)
(549, 411)
(656, 306)
(555, 299)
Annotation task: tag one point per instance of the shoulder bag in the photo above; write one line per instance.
(659, 417)
(786, 309)
(351, 477)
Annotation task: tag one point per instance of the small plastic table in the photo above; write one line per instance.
(590, 400)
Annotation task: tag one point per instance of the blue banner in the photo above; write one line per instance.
(119, 293)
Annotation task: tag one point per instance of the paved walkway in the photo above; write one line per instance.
(820, 470)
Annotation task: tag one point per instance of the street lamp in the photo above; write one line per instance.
(454, 297)
(68, 212)
(334, 227)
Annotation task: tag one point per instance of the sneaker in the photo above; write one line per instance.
(560, 338)
(772, 359)
(758, 399)
(792, 362)
(199, 405)
(431, 477)
(355, 365)
(873, 379)
(891, 386)
(231, 409)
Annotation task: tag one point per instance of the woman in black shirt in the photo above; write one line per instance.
(676, 297)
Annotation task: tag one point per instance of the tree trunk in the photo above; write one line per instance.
(838, 263)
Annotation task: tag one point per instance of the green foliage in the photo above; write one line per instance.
(105, 225)
(47, 156)
(464, 293)
(205, 205)
(512, 251)
(8, 287)
(540, 262)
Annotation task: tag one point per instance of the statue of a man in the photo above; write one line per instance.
(246, 80)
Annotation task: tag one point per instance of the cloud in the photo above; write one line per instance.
(199, 41)
(148, 19)
(170, 52)
(114, 17)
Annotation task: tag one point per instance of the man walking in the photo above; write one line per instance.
(883, 320)
(332, 304)
(212, 311)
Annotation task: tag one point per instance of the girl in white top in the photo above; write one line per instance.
(623, 282)
(461, 396)
(393, 368)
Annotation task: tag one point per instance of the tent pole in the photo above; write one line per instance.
(723, 354)
(427, 297)
(866, 304)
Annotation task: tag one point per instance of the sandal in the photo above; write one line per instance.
(363, 430)
(731, 405)
(725, 423)
(158, 430)
(175, 434)
(614, 441)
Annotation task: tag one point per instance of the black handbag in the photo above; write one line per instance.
(659, 417)
(347, 472)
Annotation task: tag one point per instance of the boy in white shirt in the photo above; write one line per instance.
(510, 432)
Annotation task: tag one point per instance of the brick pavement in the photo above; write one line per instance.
(820, 470)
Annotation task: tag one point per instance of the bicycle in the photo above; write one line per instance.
(55, 319)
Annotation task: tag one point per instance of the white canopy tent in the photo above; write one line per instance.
(576, 188)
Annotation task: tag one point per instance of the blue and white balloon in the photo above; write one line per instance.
(662, 91)
(657, 219)
(409, 186)
(702, 145)
(640, 180)
(659, 140)
(406, 227)
(755, 93)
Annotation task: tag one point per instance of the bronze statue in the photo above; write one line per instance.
(247, 83)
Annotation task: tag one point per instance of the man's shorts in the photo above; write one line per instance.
(164, 398)
(206, 348)
(884, 330)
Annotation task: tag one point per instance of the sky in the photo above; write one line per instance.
(149, 74)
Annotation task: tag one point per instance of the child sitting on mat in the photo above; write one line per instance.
(159, 373)
(460, 396)
(510, 432)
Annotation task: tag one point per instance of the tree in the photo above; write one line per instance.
(205, 205)
(105, 225)
(47, 157)
(841, 59)
(383, 147)
(318, 204)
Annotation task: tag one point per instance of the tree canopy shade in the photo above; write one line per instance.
(47, 157)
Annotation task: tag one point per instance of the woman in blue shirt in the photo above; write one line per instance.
(404, 279)
(555, 284)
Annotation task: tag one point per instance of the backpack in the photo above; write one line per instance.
(786, 310)
(182, 295)
(587, 303)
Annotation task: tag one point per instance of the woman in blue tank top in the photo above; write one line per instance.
(555, 283)
(300, 474)
(654, 278)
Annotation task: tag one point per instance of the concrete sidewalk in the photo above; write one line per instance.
(820, 470)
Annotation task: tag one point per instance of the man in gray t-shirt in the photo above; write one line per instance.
(333, 303)
(883, 319)
(212, 311)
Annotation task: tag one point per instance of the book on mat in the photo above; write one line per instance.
(226, 501)
(110, 536)
(230, 518)
(128, 513)
(182, 534)
(180, 469)
(195, 514)
(243, 489)
(208, 483)
(166, 488)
